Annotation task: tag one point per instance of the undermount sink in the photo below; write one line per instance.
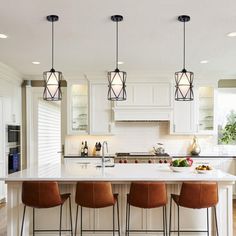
(99, 166)
(83, 163)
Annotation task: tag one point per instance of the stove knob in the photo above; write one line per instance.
(165, 161)
(125, 161)
(120, 161)
(160, 161)
(149, 161)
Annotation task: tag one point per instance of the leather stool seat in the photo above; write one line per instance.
(43, 194)
(147, 195)
(196, 195)
(96, 195)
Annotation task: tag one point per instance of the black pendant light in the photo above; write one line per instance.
(116, 78)
(184, 78)
(52, 78)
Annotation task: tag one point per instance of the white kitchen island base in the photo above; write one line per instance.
(102, 218)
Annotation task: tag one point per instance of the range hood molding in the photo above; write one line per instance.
(142, 114)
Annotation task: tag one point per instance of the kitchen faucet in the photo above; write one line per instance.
(103, 154)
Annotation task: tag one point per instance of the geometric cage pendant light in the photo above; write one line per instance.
(116, 78)
(184, 78)
(52, 78)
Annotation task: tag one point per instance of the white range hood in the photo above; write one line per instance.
(145, 102)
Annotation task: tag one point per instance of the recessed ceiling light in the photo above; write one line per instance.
(231, 34)
(204, 61)
(3, 36)
(120, 62)
(35, 62)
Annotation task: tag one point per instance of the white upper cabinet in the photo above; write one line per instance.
(147, 94)
(77, 105)
(183, 121)
(100, 109)
(197, 116)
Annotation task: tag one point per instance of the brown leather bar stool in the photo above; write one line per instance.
(196, 195)
(37, 194)
(96, 195)
(147, 195)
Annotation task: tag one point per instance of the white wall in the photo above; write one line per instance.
(10, 91)
(10, 96)
(141, 137)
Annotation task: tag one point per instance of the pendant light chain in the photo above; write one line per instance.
(184, 49)
(117, 44)
(52, 44)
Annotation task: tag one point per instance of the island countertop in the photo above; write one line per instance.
(120, 173)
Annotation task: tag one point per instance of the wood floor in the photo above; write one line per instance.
(3, 219)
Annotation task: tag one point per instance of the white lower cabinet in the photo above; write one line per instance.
(100, 110)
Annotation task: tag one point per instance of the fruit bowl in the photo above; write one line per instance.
(202, 169)
(181, 165)
(181, 169)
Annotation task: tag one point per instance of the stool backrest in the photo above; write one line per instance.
(198, 194)
(147, 194)
(94, 194)
(41, 194)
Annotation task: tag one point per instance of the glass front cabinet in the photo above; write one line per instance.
(205, 115)
(77, 107)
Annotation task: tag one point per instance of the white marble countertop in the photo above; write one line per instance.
(119, 173)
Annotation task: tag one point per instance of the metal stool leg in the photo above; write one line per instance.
(113, 219)
(170, 216)
(128, 217)
(23, 219)
(178, 220)
(118, 217)
(33, 222)
(60, 219)
(207, 222)
(76, 219)
(166, 221)
(217, 230)
(71, 225)
(163, 216)
(81, 220)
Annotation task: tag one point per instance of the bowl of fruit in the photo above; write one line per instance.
(203, 169)
(181, 165)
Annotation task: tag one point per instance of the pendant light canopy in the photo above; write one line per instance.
(52, 78)
(184, 78)
(116, 78)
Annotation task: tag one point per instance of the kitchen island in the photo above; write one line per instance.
(121, 175)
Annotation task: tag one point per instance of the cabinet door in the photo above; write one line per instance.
(205, 112)
(78, 108)
(147, 94)
(100, 110)
(183, 118)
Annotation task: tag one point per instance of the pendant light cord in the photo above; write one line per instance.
(52, 44)
(117, 47)
(184, 49)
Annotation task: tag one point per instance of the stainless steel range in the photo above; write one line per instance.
(141, 157)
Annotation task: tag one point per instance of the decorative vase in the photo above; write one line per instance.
(195, 148)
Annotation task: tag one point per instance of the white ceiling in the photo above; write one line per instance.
(150, 36)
